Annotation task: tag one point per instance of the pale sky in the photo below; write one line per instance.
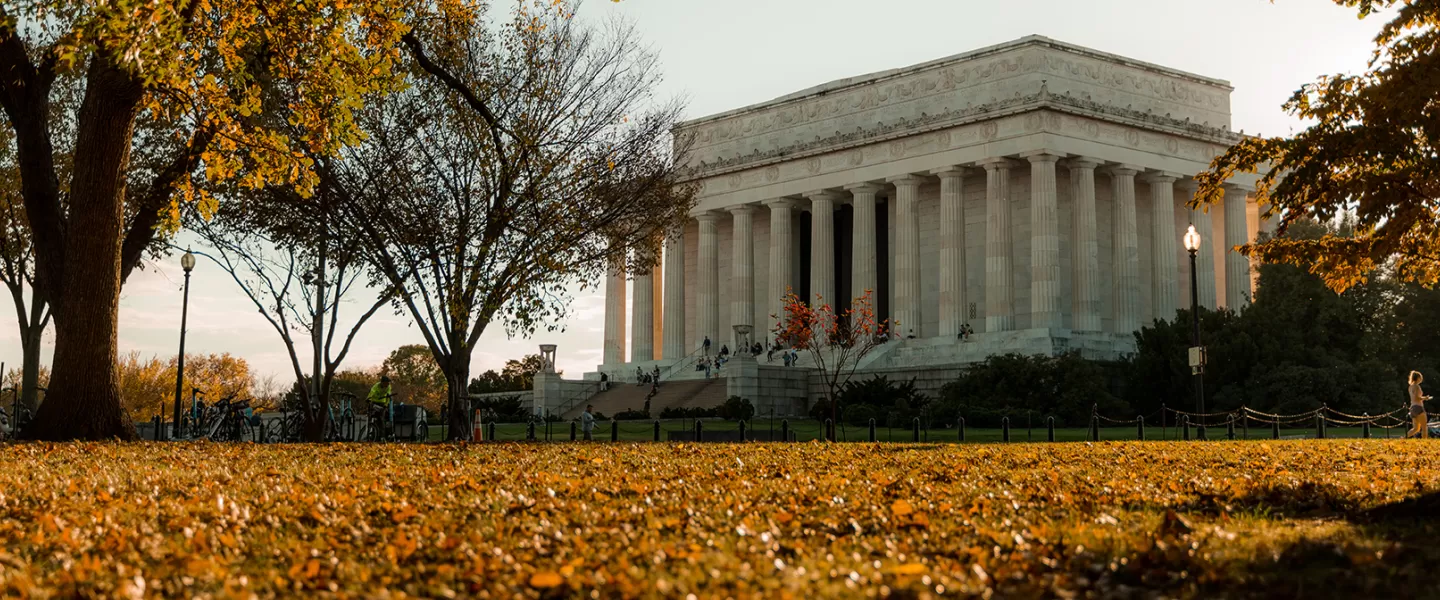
(720, 55)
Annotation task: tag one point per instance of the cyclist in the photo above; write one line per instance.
(379, 398)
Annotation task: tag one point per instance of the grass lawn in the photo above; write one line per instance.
(1294, 518)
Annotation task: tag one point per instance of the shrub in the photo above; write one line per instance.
(632, 415)
(736, 408)
(689, 413)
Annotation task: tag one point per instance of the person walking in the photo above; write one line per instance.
(587, 421)
(705, 345)
(1417, 407)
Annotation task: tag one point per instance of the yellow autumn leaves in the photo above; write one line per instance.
(752, 520)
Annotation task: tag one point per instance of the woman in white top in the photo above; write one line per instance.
(1417, 407)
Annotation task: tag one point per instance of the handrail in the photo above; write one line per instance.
(591, 388)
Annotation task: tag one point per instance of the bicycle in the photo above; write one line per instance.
(228, 422)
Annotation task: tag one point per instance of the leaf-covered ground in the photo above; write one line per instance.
(1318, 518)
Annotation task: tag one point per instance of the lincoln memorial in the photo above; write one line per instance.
(1034, 190)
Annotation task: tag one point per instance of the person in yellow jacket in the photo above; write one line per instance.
(380, 394)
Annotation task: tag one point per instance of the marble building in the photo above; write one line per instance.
(1034, 190)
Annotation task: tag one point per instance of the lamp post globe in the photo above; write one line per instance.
(1197, 352)
(187, 261)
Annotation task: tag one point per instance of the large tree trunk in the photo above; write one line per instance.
(457, 384)
(83, 401)
(30, 367)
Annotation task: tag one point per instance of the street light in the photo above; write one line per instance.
(187, 262)
(1197, 352)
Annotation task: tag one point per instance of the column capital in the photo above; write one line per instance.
(1186, 183)
(1042, 155)
(1083, 162)
(706, 216)
(864, 187)
(998, 162)
(951, 171)
(775, 203)
(741, 209)
(1160, 177)
(1232, 187)
(906, 179)
(822, 195)
(1124, 170)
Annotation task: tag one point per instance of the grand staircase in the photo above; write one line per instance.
(703, 393)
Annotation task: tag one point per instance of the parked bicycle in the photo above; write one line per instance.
(231, 420)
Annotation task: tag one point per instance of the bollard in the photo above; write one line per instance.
(961, 427)
(916, 428)
(492, 431)
(1049, 429)
(829, 432)
(1185, 426)
(785, 430)
(1140, 428)
(742, 431)
(1275, 430)
(1004, 429)
(1230, 429)
(1164, 435)
(657, 430)
(699, 430)
(572, 431)
(1245, 425)
(1319, 427)
(872, 430)
(1094, 428)
(1365, 427)
(530, 430)
(614, 430)
(156, 422)
(547, 430)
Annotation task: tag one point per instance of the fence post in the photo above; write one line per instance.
(1319, 426)
(572, 431)
(699, 430)
(915, 426)
(1164, 435)
(657, 430)
(492, 431)
(1185, 426)
(1275, 430)
(1094, 428)
(1050, 429)
(1004, 429)
(829, 433)
(1140, 427)
(961, 427)
(742, 431)
(1244, 423)
(530, 430)
(155, 421)
(547, 429)
(1230, 428)
(872, 430)
(784, 430)
(614, 430)
(1365, 427)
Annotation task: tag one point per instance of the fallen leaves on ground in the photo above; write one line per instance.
(796, 520)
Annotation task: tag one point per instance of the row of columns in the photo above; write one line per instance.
(1045, 285)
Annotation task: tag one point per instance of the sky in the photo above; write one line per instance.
(721, 55)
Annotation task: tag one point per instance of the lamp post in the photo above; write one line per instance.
(1197, 352)
(187, 262)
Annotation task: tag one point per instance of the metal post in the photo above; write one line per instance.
(1050, 429)
(785, 430)
(492, 431)
(699, 430)
(614, 430)
(180, 359)
(1319, 426)
(573, 427)
(1244, 423)
(872, 430)
(916, 429)
(657, 430)
(1185, 426)
(1230, 429)
(1199, 371)
(1029, 428)
(1275, 430)
(1094, 428)
(1004, 429)
(1365, 427)
(961, 426)
(530, 430)
(1164, 435)
(1140, 427)
(742, 431)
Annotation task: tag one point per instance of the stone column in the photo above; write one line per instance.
(952, 250)
(614, 351)
(1085, 307)
(907, 255)
(742, 267)
(822, 249)
(707, 293)
(642, 318)
(1126, 252)
(862, 254)
(1165, 290)
(1237, 233)
(674, 309)
(782, 253)
(1044, 241)
(1205, 259)
(999, 278)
